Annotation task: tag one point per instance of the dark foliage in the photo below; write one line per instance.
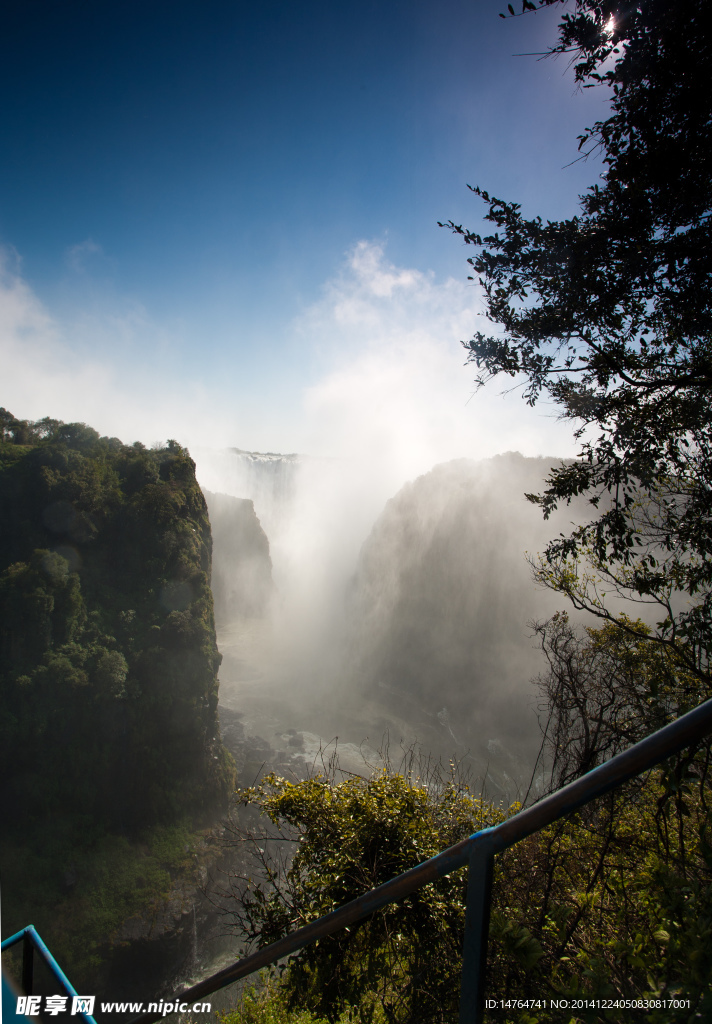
(331, 841)
(610, 313)
(107, 643)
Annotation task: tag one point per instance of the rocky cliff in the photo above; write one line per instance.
(242, 568)
(110, 750)
(440, 601)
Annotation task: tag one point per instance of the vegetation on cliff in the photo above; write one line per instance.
(109, 662)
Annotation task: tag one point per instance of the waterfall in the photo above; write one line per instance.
(193, 961)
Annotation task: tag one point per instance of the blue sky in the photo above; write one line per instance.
(219, 220)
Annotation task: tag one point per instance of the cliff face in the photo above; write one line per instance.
(242, 569)
(442, 595)
(109, 660)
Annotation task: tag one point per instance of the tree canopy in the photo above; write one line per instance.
(108, 657)
(609, 314)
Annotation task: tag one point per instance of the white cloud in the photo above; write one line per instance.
(117, 386)
(387, 384)
(394, 387)
(38, 373)
(368, 264)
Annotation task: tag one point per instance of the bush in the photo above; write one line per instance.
(329, 842)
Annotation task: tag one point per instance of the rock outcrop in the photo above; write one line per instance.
(242, 568)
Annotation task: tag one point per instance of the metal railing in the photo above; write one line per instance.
(31, 944)
(477, 851)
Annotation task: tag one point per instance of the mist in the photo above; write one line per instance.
(400, 610)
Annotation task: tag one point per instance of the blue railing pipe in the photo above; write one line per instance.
(478, 850)
(477, 915)
(32, 942)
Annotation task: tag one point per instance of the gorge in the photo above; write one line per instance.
(410, 627)
(352, 613)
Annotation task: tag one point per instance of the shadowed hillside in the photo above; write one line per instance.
(110, 750)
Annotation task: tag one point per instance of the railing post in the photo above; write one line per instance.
(28, 952)
(474, 950)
